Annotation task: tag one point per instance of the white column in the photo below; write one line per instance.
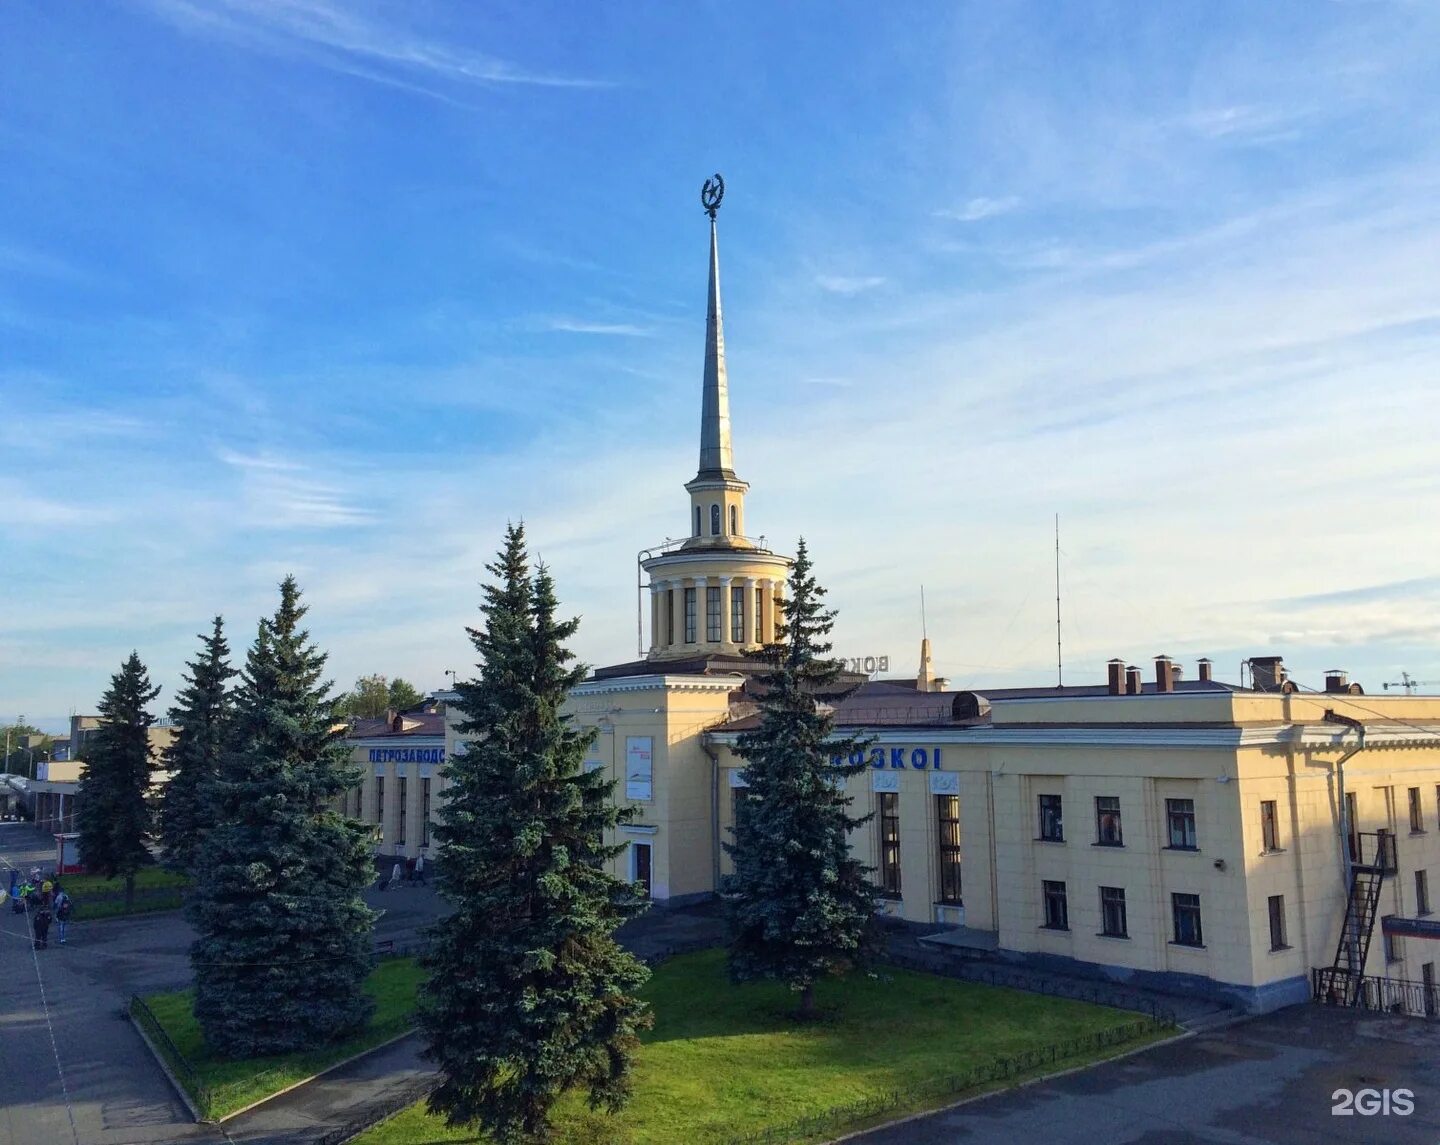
(702, 609)
(656, 595)
(725, 632)
(747, 612)
(767, 611)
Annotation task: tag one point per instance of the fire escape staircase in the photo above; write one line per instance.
(1340, 983)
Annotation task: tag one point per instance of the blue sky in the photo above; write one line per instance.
(297, 285)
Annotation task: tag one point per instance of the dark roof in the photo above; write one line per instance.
(712, 664)
(431, 724)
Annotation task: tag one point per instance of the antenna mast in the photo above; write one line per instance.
(1059, 659)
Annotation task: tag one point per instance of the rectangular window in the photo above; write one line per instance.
(947, 818)
(888, 816)
(760, 630)
(424, 812)
(380, 803)
(712, 615)
(1057, 906)
(669, 616)
(1352, 821)
(737, 615)
(400, 810)
(1422, 893)
(739, 795)
(1277, 923)
(1394, 948)
(1180, 817)
(1107, 821)
(1112, 912)
(1186, 911)
(1052, 827)
(690, 616)
(1269, 826)
(1417, 817)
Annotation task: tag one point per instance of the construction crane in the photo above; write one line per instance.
(1409, 683)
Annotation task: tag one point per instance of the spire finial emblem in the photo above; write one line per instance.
(711, 194)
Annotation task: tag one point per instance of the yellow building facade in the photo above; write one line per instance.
(1188, 834)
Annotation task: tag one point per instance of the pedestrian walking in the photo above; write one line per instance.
(63, 907)
(41, 924)
(420, 868)
(396, 874)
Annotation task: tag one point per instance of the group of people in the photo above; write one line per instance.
(45, 900)
(411, 870)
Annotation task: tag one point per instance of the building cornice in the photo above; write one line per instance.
(400, 741)
(657, 683)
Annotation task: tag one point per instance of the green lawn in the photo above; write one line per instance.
(96, 897)
(723, 1061)
(235, 1084)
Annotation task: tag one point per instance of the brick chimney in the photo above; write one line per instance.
(1204, 665)
(1177, 673)
(1117, 677)
(1267, 673)
(1133, 686)
(1164, 677)
(1337, 680)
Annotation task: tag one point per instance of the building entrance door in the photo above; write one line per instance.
(640, 865)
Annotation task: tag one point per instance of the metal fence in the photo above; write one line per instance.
(1056, 986)
(184, 1072)
(977, 1078)
(1390, 995)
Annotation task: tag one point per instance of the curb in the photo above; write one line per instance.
(856, 1134)
(181, 1091)
(294, 1085)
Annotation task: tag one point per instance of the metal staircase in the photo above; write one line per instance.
(1339, 984)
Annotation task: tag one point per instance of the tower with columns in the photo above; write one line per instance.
(718, 592)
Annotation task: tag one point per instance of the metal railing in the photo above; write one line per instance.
(1374, 851)
(976, 1078)
(184, 1072)
(1389, 995)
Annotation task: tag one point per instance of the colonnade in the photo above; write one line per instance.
(671, 627)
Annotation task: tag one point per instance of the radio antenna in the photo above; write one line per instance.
(1059, 659)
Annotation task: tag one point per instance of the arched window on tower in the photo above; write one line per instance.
(734, 521)
(697, 520)
(714, 520)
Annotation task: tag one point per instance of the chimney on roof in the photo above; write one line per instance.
(1117, 677)
(1133, 686)
(1164, 678)
(1337, 680)
(1177, 673)
(1204, 665)
(1267, 673)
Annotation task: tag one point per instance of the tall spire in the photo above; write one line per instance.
(716, 456)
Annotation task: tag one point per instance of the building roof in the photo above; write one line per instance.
(399, 726)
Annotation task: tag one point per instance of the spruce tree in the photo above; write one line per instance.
(284, 942)
(112, 812)
(529, 994)
(202, 714)
(800, 906)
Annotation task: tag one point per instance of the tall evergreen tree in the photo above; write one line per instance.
(529, 994)
(800, 906)
(112, 812)
(284, 934)
(202, 714)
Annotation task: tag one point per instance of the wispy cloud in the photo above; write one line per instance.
(1245, 123)
(578, 326)
(848, 284)
(1416, 588)
(974, 210)
(336, 37)
(283, 494)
